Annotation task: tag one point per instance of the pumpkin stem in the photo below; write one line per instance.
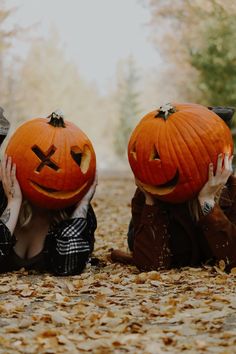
(165, 111)
(57, 119)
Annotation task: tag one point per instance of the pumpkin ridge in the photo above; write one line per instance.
(207, 147)
(158, 131)
(160, 136)
(193, 137)
(175, 144)
(215, 135)
(171, 149)
(200, 140)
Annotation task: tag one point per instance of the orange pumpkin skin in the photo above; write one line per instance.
(170, 155)
(55, 164)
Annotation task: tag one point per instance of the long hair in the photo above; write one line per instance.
(194, 209)
(26, 213)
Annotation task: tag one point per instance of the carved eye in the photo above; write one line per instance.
(82, 158)
(76, 156)
(154, 154)
(45, 158)
(133, 151)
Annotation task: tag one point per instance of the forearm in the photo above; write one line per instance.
(10, 215)
(72, 249)
(81, 210)
(206, 205)
(69, 264)
(74, 242)
(220, 233)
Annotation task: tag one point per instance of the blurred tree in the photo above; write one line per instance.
(197, 39)
(48, 80)
(128, 104)
(6, 36)
(215, 60)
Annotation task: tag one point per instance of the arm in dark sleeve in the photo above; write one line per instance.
(7, 241)
(219, 228)
(73, 244)
(220, 233)
(3, 199)
(151, 238)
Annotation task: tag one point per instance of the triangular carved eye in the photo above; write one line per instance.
(154, 154)
(133, 151)
(76, 155)
(82, 158)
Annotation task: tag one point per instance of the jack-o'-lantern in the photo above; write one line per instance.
(170, 150)
(55, 161)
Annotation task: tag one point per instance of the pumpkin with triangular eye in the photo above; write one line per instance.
(55, 161)
(170, 150)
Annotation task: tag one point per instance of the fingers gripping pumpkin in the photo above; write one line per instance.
(170, 150)
(55, 161)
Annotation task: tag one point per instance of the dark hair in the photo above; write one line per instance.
(226, 113)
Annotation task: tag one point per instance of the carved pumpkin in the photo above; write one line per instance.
(55, 161)
(170, 150)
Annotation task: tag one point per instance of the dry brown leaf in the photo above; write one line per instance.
(112, 308)
(59, 318)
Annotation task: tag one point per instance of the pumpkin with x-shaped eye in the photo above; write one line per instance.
(55, 161)
(170, 150)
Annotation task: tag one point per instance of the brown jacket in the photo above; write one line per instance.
(165, 235)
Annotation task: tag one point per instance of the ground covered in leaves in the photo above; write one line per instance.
(115, 309)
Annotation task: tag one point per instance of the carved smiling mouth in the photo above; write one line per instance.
(164, 188)
(53, 193)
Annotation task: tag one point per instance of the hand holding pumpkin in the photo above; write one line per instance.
(216, 181)
(9, 181)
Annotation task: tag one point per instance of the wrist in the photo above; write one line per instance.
(206, 205)
(209, 200)
(14, 202)
(83, 202)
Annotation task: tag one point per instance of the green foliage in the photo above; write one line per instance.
(215, 60)
(128, 107)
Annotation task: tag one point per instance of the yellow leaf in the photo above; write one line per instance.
(222, 265)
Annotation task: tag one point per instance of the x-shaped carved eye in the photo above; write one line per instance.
(82, 158)
(45, 158)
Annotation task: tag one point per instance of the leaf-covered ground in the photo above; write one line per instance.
(112, 308)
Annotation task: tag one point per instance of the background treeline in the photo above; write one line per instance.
(196, 40)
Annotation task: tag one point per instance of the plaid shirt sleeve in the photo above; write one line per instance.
(7, 241)
(72, 245)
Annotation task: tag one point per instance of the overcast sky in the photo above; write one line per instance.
(95, 33)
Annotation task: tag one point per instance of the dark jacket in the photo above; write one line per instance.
(164, 235)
